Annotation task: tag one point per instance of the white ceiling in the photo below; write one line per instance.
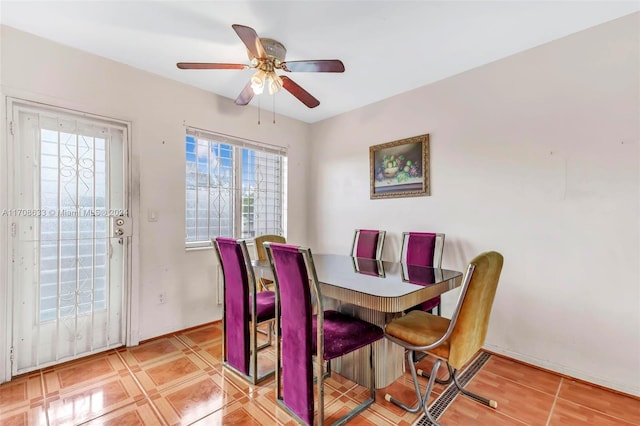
(388, 47)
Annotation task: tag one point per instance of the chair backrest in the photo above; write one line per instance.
(472, 317)
(422, 249)
(261, 239)
(239, 285)
(368, 243)
(296, 289)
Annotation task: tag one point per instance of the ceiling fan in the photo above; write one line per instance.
(267, 56)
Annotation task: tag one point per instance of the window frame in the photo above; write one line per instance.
(238, 145)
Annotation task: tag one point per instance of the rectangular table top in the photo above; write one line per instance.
(379, 285)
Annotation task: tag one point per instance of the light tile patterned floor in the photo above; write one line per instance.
(179, 380)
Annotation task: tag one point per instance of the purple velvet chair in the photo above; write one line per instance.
(305, 330)
(368, 243)
(244, 309)
(423, 249)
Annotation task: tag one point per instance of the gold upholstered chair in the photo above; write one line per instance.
(266, 283)
(454, 341)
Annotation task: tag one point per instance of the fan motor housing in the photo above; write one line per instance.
(274, 49)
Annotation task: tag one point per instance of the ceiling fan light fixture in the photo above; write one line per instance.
(275, 83)
(257, 82)
(267, 55)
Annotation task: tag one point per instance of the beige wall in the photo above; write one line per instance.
(39, 70)
(535, 156)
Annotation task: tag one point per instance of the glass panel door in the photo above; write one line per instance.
(70, 237)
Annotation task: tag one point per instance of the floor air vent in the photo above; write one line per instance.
(451, 392)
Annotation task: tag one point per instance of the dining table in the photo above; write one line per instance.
(376, 291)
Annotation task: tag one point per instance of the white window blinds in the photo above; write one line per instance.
(234, 188)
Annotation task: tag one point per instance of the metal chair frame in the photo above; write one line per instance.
(322, 371)
(423, 399)
(254, 347)
(379, 245)
(437, 263)
(437, 253)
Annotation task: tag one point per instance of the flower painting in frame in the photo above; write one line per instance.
(400, 168)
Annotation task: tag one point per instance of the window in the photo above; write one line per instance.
(234, 188)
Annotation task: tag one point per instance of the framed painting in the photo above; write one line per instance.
(400, 168)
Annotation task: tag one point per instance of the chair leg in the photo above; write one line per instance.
(320, 390)
(489, 402)
(426, 375)
(372, 393)
(325, 370)
(438, 381)
(265, 332)
(425, 399)
(255, 378)
(422, 399)
(412, 367)
(269, 333)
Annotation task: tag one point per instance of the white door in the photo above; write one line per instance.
(69, 235)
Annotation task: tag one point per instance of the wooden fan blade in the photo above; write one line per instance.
(209, 66)
(250, 39)
(297, 91)
(325, 65)
(246, 95)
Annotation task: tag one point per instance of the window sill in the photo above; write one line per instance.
(198, 248)
(250, 246)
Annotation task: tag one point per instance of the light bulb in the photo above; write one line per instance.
(275, 83)
(257, 82)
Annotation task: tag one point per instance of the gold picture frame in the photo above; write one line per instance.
(400, 168)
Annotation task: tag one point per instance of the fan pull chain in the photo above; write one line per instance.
(274, 109)
(259, 110)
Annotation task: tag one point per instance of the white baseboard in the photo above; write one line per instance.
(567, 371)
